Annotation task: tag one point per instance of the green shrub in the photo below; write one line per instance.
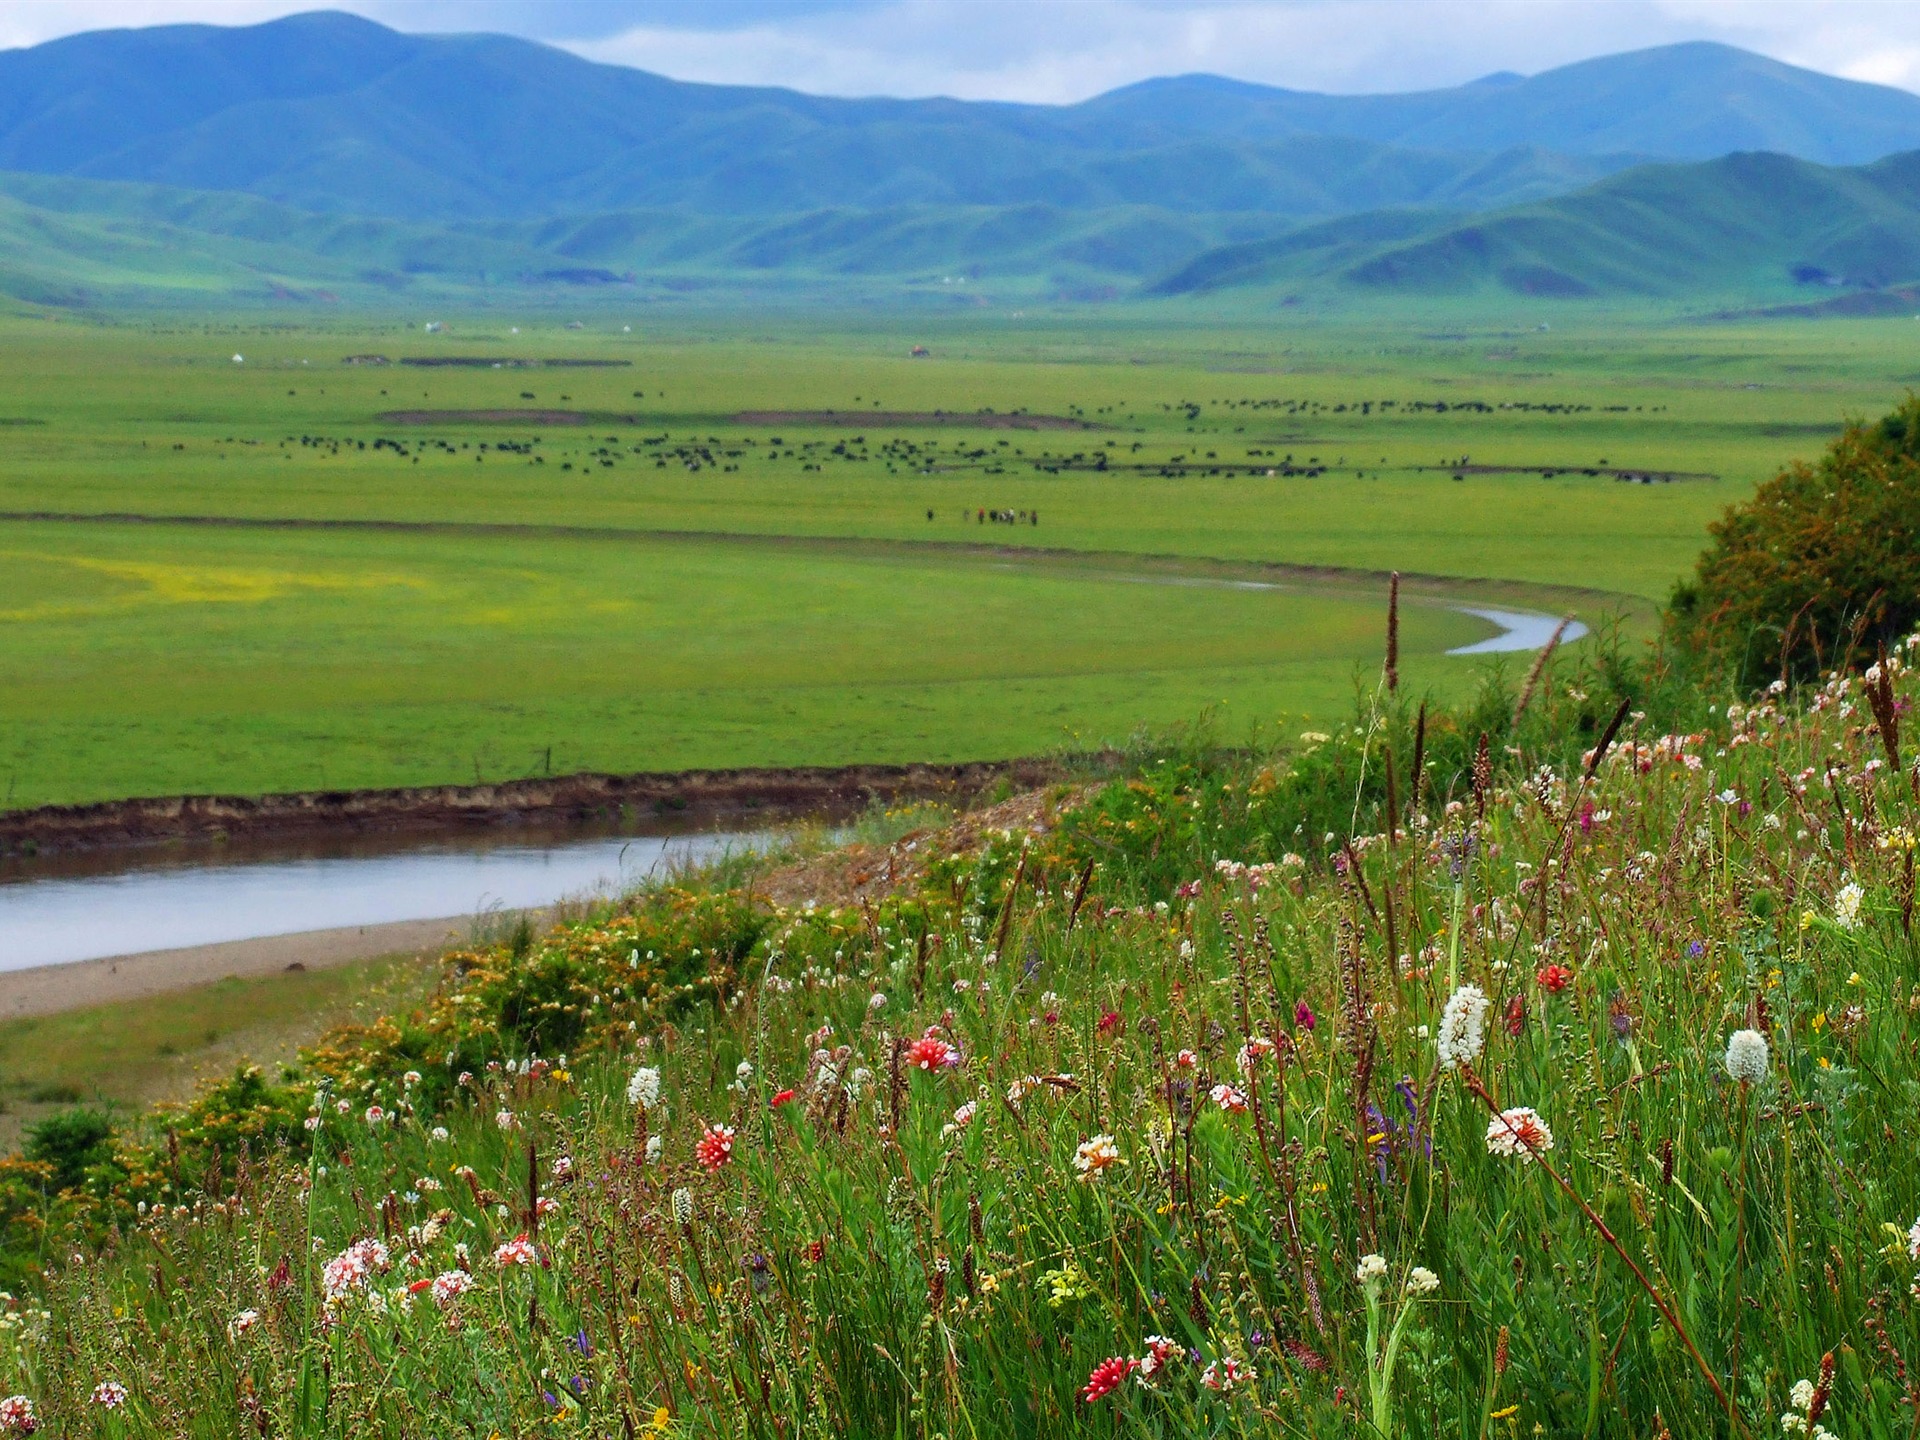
(1819, 569)
(70, 1142)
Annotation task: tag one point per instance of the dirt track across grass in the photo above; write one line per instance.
(916, 419)
(49, 989)
(506, 417)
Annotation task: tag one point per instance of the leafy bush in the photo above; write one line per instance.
(1820, 568)
(70, 1143)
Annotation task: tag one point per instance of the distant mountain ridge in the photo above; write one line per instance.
(324, 156)
(332, 113)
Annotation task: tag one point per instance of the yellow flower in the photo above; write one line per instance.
(1503, 1414)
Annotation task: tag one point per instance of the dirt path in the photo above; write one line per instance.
(48, 989)
(916, 419)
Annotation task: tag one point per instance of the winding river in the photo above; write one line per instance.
(64, 912)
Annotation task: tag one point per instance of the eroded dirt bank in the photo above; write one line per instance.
(685, 794)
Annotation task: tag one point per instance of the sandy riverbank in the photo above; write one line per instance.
(49, 989)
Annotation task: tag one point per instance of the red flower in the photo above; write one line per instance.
(780, 1099)
(930, 1052)
(1107, 1377)
(1110, 1023)
(715, 1146)
(1516, 1015)
(816, 1251)
(1554, 977)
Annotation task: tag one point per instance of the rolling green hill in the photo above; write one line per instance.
(1749, 224)
(1743, 231)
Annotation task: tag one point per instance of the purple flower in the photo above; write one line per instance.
(1303, 1015)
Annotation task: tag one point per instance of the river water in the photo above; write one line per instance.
(55, 911)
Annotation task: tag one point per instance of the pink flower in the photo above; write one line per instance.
(1107, 1377)
(1225, 1373)
(1160, 1353)
(450, 1286)
(351, 1269)
(1228, 1099)
(714, 1147)
(1303, 1015)
(17, 1417)
(110, 1394)
(375, 1115)
(930, 1052)
(517, 1251)
(1252, 1053)
(1186, 1060)
(546, 1205)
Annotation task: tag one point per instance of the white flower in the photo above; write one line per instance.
(643, 1089)
(1372, 1268)
(654, 1146)
(1463, 1026)
(1802, 1394)
(439, 1133)
(1094, 1156)
(504, 1120)
(1422, 1281)
(876, 1002)
(1846, 906)
(1747, 1056)
(1520, 1132)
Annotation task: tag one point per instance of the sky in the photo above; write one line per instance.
(1064, 50)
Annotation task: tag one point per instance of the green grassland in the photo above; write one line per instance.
(672, 585)
(133, 1052)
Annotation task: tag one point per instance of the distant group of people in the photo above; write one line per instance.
(1000, 517)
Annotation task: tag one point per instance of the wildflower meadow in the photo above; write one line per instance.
(1529, 1069)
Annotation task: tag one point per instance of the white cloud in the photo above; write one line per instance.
(1063, 50)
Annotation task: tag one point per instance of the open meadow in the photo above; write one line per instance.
(366, 554)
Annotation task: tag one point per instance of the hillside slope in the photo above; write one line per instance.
(1745, 223)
